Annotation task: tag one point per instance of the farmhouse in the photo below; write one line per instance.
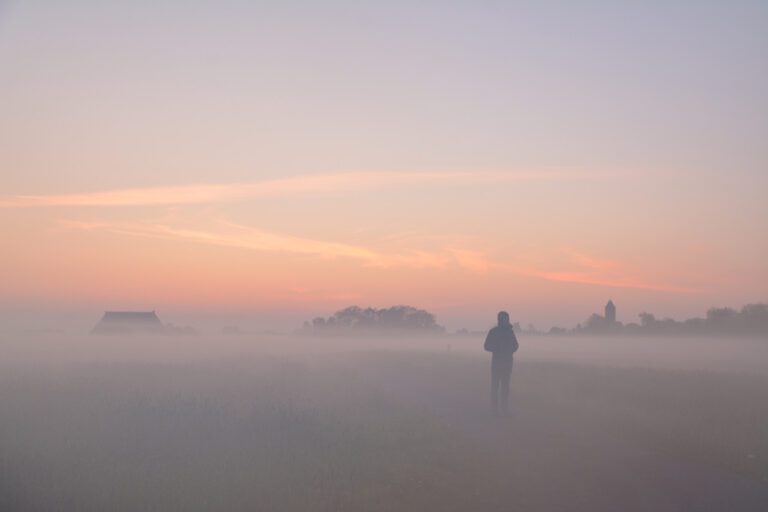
(129, 322)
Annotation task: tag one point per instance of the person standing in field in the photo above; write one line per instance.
(501, 342)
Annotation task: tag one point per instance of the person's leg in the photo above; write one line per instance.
(504, 379)
(495, 381)
(504, 384)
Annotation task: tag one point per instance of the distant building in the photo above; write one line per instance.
(129, 322)
(610, 312)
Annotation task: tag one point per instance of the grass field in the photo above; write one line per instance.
(378, 430)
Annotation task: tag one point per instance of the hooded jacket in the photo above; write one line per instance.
(502, 343)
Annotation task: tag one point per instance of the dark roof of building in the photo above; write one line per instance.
(128, 321)
(130, 316)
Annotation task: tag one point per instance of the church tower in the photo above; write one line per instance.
(610, 312)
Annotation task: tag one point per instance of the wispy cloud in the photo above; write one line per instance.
(472, 260)
(589, 270)
(613, 281)
(227, 234)
(596, 271)
(307, 184)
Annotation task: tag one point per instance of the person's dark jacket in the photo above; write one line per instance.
(502, 343)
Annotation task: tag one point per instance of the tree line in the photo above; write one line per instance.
(359, 320)
(750, 320)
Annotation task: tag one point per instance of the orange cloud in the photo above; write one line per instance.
(227, 234)
(612, 281)
(603, 272)
(212, 193)
(472, 260)
(591, 262)
(593, 271)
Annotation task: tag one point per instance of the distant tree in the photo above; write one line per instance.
(721, 314)
(722, 320)
(647, 319)
(694, 326)
(356, 319)
(754, 318)
(595, 322)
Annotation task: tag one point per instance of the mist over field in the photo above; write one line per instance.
(302, 423)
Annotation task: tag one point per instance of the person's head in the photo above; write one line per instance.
(503, 318)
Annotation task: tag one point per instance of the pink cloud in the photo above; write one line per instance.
(604, 272)
(227, 234)
(615, 281)
(307, 184)
(592, 271)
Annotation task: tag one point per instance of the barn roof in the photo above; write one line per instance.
(128, 321)
(130, 316)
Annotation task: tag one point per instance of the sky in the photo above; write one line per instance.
(275, 161)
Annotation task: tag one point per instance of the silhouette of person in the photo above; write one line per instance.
(502, 343)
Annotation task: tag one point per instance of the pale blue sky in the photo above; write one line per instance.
(268, 88)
